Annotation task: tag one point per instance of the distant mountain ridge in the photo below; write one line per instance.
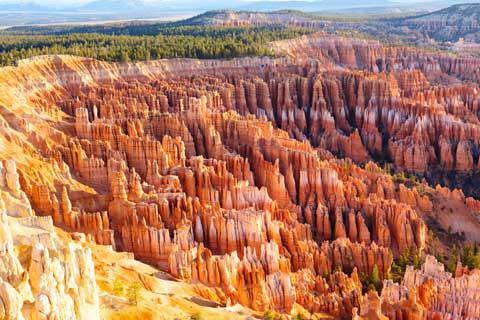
(449, 24)
(39, 12)
(256, 18)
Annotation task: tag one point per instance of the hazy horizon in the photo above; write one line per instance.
(32, 12)
(81, 2)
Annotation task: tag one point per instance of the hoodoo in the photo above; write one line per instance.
(318, 182)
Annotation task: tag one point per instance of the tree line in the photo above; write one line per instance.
(171, 42)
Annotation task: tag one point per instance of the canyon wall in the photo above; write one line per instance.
(255, 176)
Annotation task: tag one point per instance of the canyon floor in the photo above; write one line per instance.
(235, 189)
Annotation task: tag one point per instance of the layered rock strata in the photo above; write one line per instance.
(229, 177)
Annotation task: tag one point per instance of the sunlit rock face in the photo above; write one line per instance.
(255, 176)
(428, 293)
(41, 275)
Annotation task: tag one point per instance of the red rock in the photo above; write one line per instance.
(226, 172)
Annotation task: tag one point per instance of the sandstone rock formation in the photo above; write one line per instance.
(423, 124)
(253, 176)
(51, 279)
(429, 293)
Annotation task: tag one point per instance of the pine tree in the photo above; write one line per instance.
(124, 57)
(375, 278)
(268, 315)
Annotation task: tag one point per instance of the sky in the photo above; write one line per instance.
(59, 4)
(63, 2)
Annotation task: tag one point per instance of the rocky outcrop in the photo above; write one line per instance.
(47, 278)
(439, 294)
(11, 192)
(339, 293)
(253, 176)
(429, 293)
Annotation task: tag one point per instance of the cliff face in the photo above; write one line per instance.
(41, 276)
(224, 173)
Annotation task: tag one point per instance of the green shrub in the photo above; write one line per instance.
(134, 293)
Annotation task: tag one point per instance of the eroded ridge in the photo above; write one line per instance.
(227, 173)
